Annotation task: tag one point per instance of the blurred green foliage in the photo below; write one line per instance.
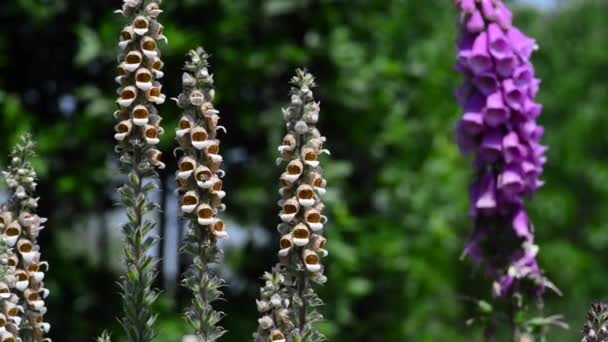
(398, 198)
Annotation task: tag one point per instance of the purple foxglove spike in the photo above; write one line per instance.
(496, 112)
(498, 44)
(523, 75)
(522, 44)
(475, 23)
(513, 150)
(521, 225)
(486, 83)
(489, 11)
(486, 201)
(479, 58)
(513, 96)
(504, 16)
(506, 65)
(491, 146)
(494, 59)
(510, 181)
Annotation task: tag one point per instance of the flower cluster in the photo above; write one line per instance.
(596, 327)
(138, 73)
(200, 187)
(499, 127)
(302, 243)
(22, 290)
(137, 132)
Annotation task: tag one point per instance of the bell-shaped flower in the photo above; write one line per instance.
(475, 22)
(479, 60)
(318, 245)
(143, 79)
(510, 181)
(490, 148)
(289, 210)
(216, 188)
(485, 199)
(204, 177)
(132, 61)
(514, 97)
(155, 94)
(198, 137)
(204, 213)
(26, 250)
(140, 115)
(285, 245)
(318, 183)
(218, 229)
(293, 171)
(486, 82)
(314, 219)
(185, 125)
(496, 112)
(189, 201)
(12, 233)
(309, 156)
(151, 135)
(156, 65)
(498, 45)
(197, 98)
(512, 149)
(148, 47)
(212, 151)
(140, 25)
(301, 235)
(127, 96)
(126, 36)
(277, 336)
(522, 44)
(311, 261)
(22, 280)
(186, 166)
(305, 195)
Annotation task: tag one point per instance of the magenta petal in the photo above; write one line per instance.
(532, 109)
(486, 83)
(503, 15)
(523, 75)
(513, 96)
(467, 5)
(479, 58)
(512, 149)
(489, 11)
(491, 146)
(487, 193)
(498, 45)
(506, 65)
(522, 44)
(495, 112)
(510, 181)
(521, 225)
(475, 22)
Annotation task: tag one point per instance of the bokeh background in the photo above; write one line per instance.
(398, 186)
